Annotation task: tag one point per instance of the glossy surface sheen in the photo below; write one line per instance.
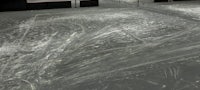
(99, 49)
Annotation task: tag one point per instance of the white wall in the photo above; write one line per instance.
(100, 1)
(125, 1)
(133, 2)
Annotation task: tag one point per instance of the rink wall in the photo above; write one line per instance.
(113, 3)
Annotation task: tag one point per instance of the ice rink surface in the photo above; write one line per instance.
(100, 49)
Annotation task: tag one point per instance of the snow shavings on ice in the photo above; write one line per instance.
(191, 10)
(74, 49)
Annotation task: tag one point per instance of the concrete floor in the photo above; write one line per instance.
(99, 49)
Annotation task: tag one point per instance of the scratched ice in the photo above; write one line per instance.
(93, 50)
(192, 10)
